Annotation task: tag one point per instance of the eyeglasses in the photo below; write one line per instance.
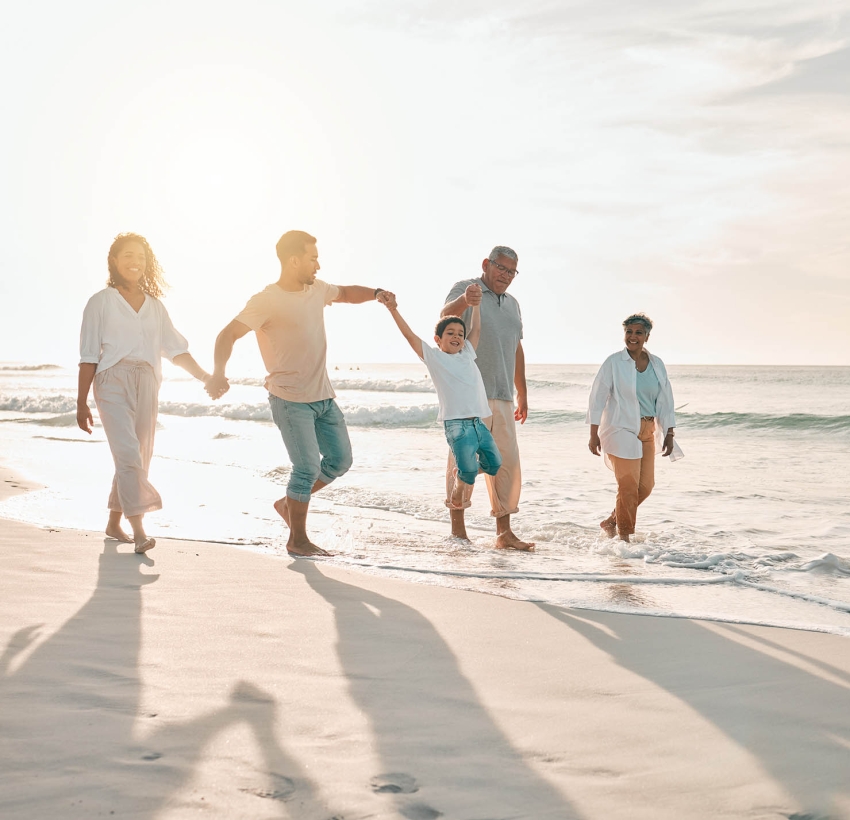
(509, 271)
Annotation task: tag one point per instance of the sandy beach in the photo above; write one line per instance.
(204, 680)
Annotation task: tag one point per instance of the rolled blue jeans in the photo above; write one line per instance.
(316, 440)
(473, 446)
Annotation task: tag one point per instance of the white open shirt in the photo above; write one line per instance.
(112, 331)
(614, 407)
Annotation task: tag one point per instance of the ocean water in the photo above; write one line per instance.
(753, 526)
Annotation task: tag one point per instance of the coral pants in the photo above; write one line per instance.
(635, 479)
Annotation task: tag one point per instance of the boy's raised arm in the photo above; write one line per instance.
(389, 301)
(475, 325)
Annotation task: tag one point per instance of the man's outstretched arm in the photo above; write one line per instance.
(357, 294)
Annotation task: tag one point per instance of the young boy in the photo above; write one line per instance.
(460, 391)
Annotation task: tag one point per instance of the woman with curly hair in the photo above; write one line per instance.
(126, 330)
(631, 417)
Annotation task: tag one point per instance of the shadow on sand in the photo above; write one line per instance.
(436, 741)
(794, 722)
(73, 730)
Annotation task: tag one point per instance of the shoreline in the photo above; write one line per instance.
(14, 483)
(205, 678)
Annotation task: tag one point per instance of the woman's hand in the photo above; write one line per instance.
(216, 386)
(595, 444)
(668, 444)
(84, 418)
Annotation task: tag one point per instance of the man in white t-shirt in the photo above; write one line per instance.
(460, 392)
(288, 318)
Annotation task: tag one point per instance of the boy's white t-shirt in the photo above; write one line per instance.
(460, 388)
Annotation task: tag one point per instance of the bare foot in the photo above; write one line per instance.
(118, 534)
(624, 536)
(508, 541)
(609, 525)
(282, 509)
(305, 548)
(143, 544)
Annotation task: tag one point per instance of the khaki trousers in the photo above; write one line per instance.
(635, 479)
(127, 398)
(504, 487)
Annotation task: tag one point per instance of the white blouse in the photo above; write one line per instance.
(614, 407)
(112, 331)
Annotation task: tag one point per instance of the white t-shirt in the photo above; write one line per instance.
(112, 331)
(460, 388)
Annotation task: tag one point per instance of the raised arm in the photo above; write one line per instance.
(469, 298)
(357, 294)
(474, 330)
(389, 301)
(217, 385)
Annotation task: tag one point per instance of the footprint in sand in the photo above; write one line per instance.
(282, 789)
(394, 783)
(419, 811)
(805, 816)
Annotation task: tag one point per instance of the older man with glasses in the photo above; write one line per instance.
(502, 364)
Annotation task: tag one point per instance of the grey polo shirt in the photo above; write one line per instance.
(501, 330)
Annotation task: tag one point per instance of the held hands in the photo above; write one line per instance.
(216, 386)
(473, 295)
(388, 300)
(84, 419)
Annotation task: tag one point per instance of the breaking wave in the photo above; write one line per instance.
(364, 385)
(27, 368)
(356, 416)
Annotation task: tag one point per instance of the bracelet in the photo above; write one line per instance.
(377, 291)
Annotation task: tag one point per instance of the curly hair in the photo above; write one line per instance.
(639, 319)
(153, 283)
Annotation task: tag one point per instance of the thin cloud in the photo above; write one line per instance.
(826, 74)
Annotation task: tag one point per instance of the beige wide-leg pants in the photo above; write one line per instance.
(635, 479)
(504, 487)
(127, 398)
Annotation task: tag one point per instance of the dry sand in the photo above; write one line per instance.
(206, 681)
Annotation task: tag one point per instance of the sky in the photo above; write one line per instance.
(690, 160)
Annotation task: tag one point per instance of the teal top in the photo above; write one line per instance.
(648, 389)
